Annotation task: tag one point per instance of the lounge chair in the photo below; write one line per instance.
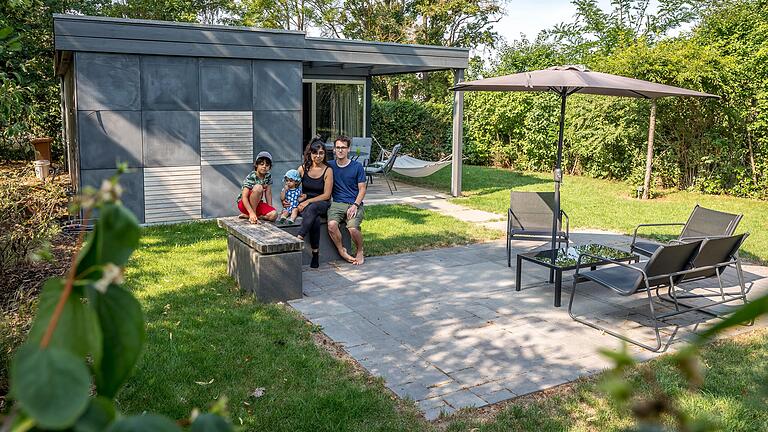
(702, 223)
(669, 266)
(530, 218)
(383, 168)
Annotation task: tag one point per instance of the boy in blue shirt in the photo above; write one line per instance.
(349, 185)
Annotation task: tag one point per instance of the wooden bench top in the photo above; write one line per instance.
(264, 237)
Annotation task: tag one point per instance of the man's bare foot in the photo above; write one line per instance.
(242, 216)
(347, 257)
(359, 258)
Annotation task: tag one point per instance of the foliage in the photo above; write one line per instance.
(86, 326)
(424, 129)
(30, 212)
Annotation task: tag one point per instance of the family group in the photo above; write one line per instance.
(316, 189)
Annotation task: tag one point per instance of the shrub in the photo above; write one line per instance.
(28, 214)
(423, 128)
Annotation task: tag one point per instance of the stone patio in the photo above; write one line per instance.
(447, 329)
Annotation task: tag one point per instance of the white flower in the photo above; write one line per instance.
(110, 274)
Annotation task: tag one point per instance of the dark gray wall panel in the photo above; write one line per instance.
(278, 132)
(277, 85)
(225, 85)
(108, 137)
(169, 83)
(171, 138)
(132, 183)
(108, 82)
(221, 186)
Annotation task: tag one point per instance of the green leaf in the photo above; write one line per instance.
(144, 423)
(743, 314)
(77, 330)
(51, 385)
(100, 413)
(122, 328)
(211, 423)
(113, 240)
(5, 32)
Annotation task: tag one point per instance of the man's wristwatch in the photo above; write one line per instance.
(356, 204)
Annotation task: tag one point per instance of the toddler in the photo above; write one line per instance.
(292, 194)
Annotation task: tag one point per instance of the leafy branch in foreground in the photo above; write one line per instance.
(651, 411)
(87, 337)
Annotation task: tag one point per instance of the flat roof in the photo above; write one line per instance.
(320, 56)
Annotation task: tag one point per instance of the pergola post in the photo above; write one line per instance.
(458, 134)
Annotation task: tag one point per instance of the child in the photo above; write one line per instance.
(257, 187)
(291, 193)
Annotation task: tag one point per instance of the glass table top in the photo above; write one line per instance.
(569, 257)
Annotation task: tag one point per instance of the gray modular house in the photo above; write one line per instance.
(187, 106)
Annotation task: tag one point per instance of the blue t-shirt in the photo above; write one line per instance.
(345, 180)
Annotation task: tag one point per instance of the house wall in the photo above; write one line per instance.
(188, 127)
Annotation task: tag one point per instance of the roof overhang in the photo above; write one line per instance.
(320, 56)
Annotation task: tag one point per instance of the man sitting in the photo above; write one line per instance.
(347, 206)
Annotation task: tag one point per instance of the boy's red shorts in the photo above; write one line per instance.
(261, 209)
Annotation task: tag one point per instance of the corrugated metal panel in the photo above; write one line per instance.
(172, 194)
(226, 137)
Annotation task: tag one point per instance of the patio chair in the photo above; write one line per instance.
(384, 168)
(530, 218)
(360, 150)
(713, 257)
(671, 266)
(702, 223)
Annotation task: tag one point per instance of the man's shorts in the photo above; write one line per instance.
(262, 209)
(338, 212)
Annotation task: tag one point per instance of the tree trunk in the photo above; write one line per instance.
(649, 156)
(751, 157)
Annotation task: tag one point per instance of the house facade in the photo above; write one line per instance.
(187, 106)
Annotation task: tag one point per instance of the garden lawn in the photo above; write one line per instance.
(206, 340)
(604, 204)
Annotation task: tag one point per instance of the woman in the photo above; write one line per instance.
(317, 184)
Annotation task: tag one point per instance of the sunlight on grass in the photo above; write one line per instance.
(604, 204)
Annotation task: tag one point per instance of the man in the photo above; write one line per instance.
(347, 206)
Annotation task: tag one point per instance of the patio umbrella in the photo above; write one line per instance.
(567, 80)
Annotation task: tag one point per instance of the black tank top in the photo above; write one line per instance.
(313, 186)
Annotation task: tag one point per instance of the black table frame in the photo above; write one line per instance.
(557, 271)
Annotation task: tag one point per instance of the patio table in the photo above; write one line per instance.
(567, 259)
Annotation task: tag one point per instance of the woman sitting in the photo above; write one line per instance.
(317, 181)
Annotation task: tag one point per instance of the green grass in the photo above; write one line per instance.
(605, 204)
(391, 229)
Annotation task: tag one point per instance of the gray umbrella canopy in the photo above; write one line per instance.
(567, 80)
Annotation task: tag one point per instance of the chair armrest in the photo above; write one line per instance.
(567, 224)
(634, 234)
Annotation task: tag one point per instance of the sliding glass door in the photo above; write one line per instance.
(338, 108)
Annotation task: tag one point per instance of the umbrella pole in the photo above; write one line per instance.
(558, 175)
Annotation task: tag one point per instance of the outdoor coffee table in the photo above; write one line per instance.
(567, 259)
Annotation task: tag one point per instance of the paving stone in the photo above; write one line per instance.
(498, 396)
(463, 399)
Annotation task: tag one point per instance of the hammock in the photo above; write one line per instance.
(412, 167)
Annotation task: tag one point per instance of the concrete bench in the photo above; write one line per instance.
(264, 259)
(327, 249)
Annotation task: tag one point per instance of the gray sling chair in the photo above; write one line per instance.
(360, 150)
(383, 169)
(669, 266)
(702, 223)
(530, 218)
